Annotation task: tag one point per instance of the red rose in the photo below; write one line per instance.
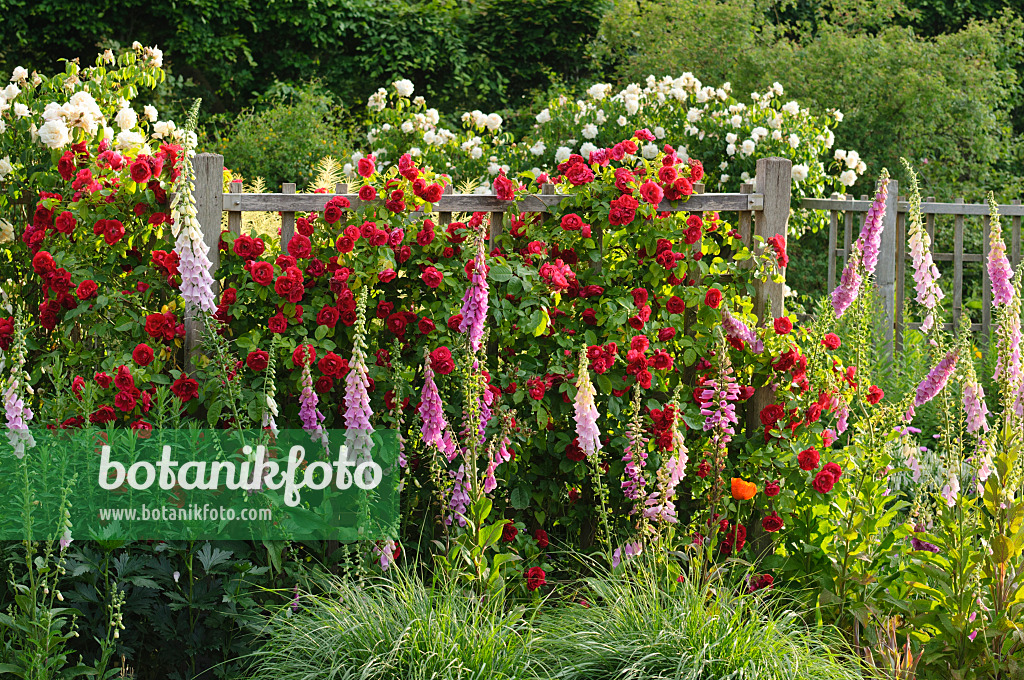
(696, 170)
(324, 384)
(332, 365)
(140, 170)
(441, 360)
(387, 276)
(713, 298)
(651, 192)
(541, 537)
(772, 523)
(229, 296)
(823, 482)
(426, 326)
(277, 323)
(328, 316)
(675, 305)
(535, 575)
(367, 193)
(396, 324)
(831, 341)
(103, 415)
(623, 210)
(783, 325)
(666, 333)
(300, 247)
(778, 242)
(185, 388)
(66, 165)
(834, 470)
(509, 532)
(432, 277)
(113, 231)
(142, 354)
(770, 414)
(504, 189)
(262, 273)
(808, 459)
(124, 401)
(103, 380)
(454, 321)
(257, 360)
(772, 489)
(65, 222)
(86, 290)
(875, 394)
(692, 235)
(644, 379)
(302, 354)
(572, 222)
(579, 174)
(574, 452)
(425, 237)
(365, 166)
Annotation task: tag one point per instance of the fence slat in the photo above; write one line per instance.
(833, 236)
(773, 179)
(929, 225)
(235, 216)
(497, 226)
(209, 189)
(445, 218)
(847, 235)
(901, 276)
(958, 266)
(1015, 254)
(986, 288)
(287, 219)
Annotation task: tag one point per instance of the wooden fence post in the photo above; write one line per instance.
(774, 180)
(885, 272)
(209, 197)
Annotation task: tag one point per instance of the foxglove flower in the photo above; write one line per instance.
(974, 405)
(849, 283)
(1000, 272)
(635, 456)
(431, 409)
(357, 398)
(936, 379)
(310, 416)
(459, 503)
(586, 410)
(870, 239)
(474, 302)
(17, 412)
(193, 253)
(926, 274)
(1008, 370)
(673, 468)
(737, 330)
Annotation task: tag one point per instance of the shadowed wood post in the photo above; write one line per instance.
(209, 197)
(287, 219)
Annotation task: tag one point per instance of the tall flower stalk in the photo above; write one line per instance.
(935, 381)
(311, 417)
(634, 484)
(926, 274)
(586, 410)
(737, 330)
(16, 389)
(849, 284)
(357, 399)
(193, 253)
(1000, 273)
(974, 402)
(434, 426)
(474, 302)
(870, 240)
(660, 505)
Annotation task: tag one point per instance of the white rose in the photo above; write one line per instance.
(600, 117)
(622, 121)
(493, 168)
(861, 167)
(562, 153)
(544, 116)
(800, 172)
(156, 56)
(415, 151)
(723, 165)
(659, 132)
(433, 116)
(477, 152)
(407, 127)
(849, 177)
(3, 126)
(747, 147)
(11, 91)
(723, 179)
(126, 119)
(590, 131)
(791, 108)
(794, 141)
(20, 110)
(20, 74)
(6, 231)
(731, 138)
(54, 134)
(830, 139)
(839, 155)
(163, 129)
(403, 87)
(736, 120)
(127, 139)
(776, 135)
(493, 122)
(538, 149)
(731, 149)
(744, 176)
(632, 105)
(649, 151)
(759, 133)
(598, 91)
(150, 113)
(428, 137)
(5, 167)
(777, 88)
(347, 169)
(852, 158)
(586, 149)
(694, 114)
(839, 116)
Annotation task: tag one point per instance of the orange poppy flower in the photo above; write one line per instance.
(743, 490)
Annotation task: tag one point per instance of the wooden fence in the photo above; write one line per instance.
(765, 214)
(891, 273)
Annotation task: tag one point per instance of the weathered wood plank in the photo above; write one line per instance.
(288, 218)
(986, 287)
(958, 267)
(235, 216)
(833, 237)
(927, 208)
(1015, 254)
(901, 276)
(885, 272)
(475, 203)
(209, 187)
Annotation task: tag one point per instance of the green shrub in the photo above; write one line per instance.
(283, 142)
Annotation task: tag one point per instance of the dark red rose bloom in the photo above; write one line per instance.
(103, 415)
(574, 452)
(875, 394)
(65, 222)
(572, 222)
(778, 242)
(324, 384)
(651, 192)
(441, 360)
(425, 237)
(367, 193)
(426, 326)
(808, 459)
(87, 290)
(333, 365)
(713, 298)
(509, 532)
(125, 401)
(328, 316)
(257, 360)
(140, 170)
(623, 210)
(823, 482)
(332, 213)
(771, 414)
(675, 305)
(366, 166)
(579, 174)
(772, 489)
(185, 388)
(304, 226)
(535, 575)
(589, 316)
(103, 379)
(834, 470)
(396, 323)
(504, 189)
(229, 296)
(300, 247)
(666, 333)
(541, 537)
(277, 323)
(454, 321)
(772, 523)
(302, 354)
(783, 325)
(262, 273)
(142, 354)
(432, 277)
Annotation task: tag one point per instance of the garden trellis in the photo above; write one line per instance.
(891, 274)
(764, 214)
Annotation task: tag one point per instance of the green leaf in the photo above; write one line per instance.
(520, 498)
